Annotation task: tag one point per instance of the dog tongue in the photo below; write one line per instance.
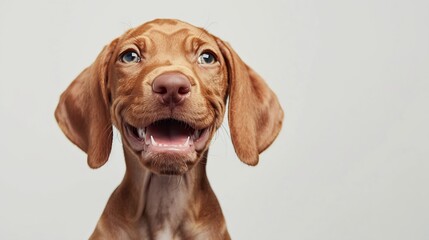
(169, 132)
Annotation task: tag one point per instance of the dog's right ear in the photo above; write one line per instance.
(83, 110)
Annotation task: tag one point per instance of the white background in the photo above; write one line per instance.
(350, 163)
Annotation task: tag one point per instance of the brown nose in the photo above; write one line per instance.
(172, 88)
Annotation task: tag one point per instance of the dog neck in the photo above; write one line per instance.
(165, 203)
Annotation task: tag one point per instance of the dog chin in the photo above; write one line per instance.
(169, 163)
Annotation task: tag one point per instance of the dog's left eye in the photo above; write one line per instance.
(130, 57)
(206, 58)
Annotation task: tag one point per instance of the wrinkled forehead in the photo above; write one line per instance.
(173, 31)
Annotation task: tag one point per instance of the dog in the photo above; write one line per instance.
(165, 85)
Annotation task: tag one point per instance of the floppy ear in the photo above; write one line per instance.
(255, 115)
(83, 111)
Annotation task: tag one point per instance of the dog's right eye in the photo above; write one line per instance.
(130, 57)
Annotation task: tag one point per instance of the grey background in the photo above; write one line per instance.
(350, 163)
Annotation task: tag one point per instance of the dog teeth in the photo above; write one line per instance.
(141, 133)
(152, 141)
(187, 142)
(196, 134)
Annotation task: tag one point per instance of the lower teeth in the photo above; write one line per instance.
(154, 143)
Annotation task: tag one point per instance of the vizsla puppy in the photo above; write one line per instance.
(164, 85)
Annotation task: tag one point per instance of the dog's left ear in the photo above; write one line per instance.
(83, 110)
(255, 115)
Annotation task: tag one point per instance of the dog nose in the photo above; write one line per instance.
(172, 88)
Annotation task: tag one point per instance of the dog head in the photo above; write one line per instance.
(164, 85)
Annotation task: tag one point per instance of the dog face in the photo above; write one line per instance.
(168, 84)
(164, 86)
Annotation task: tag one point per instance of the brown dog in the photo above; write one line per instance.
(164, 86)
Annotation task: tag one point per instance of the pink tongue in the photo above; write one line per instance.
(168, 132)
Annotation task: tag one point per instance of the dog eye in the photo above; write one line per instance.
(130, 57)
(206, 58)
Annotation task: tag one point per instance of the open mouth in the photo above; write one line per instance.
(167, 135)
